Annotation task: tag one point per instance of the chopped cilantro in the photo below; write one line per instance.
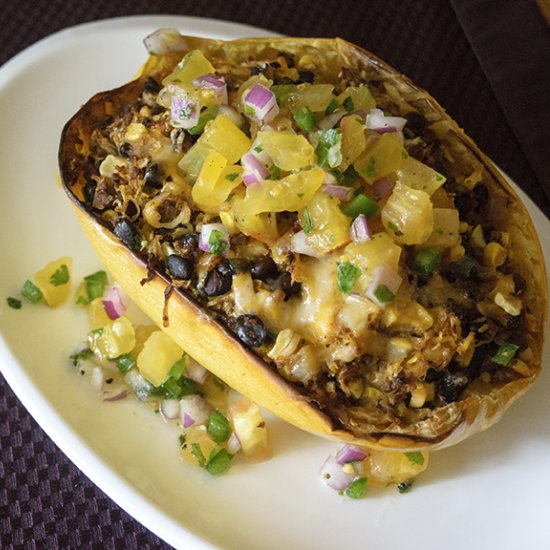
(218, 427)
(258, 148)
(197, 453)
(308, 223)
(31, 292)
(439, 177)
(80, 356)
(207, 114)
(216, 242)
(182, 440)
(14, 302)
(329, 148)
(347, 274)
(218, 462)
(348, 177)
(60, 276)
(332, 106)
(505, 354)
(358, 489)
(125, 362)
(274, 172)
(404, 154)
(304, 119)
(232, 177)
(249, 111)
(415, 457)
(348, 104)
(383, 294)
(397, 232)
(370, 170)
(300, 195)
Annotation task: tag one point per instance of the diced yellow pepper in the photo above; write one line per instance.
(226, 138)
(360, 96)
(445, 232)
(391, 467)
(113, 339)
(329, 225)
(260, 226)
(251, 430)
(198, 436)
(287, 150)
(97, 314)
(381, 159)
(193, 65)
(54, 280)
(354, 141)
(216, 180)
(315, 96)
(494, 255)
(408, 215)
(287, 195)
(157, 357)
(418, 175)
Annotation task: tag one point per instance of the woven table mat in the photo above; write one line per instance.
(45, 501)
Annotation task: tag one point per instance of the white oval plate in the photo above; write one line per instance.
(491, 492)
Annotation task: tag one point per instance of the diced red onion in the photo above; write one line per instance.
(383, 275)
(382, 187)
(254, 170)
(299, 244)
(359, 230)
(262, 102)
(206, 231)
(163, 41)
(232, 114)
(113, 303)
(194, 410)
(119, 395)
(170, 408)
(217, 86)
(97, 378)
(184, 112)
(331, 120)
(233, 444)
(339, 191)
(196, 372)
(333, 475)
(350, 453)
(376, 120)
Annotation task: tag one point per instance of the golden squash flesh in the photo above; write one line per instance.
(363, 409)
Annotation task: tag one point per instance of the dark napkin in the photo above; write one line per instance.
(45, 502)
(511, 39)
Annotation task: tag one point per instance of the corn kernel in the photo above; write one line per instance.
(521, 368)
(229, 222)
(510, 304)
(134, 132)
(456, 252)
(494, 255)
(476, 238)
(418, 396)
(463, 227)
(109, 164)
(485, 377)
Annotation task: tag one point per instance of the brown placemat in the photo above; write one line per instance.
(45, 502)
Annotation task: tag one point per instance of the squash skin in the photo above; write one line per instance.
(222, 353)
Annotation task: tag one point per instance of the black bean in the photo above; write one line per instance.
(289, 59)
(264, 268)
(226, 268)
(416, 124)
(89, 190)
(306, 76)
(153, 175)
(481, 194)
(188, 246)
(131, 209)
(179, 267)
(240, 265)
(519, 284)
(216, 283)
(284, 283)
(451, 385)
(125, 149)
(465, 268)
(258, 69)
(464, 203)
(251, 330)
(126, 232)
